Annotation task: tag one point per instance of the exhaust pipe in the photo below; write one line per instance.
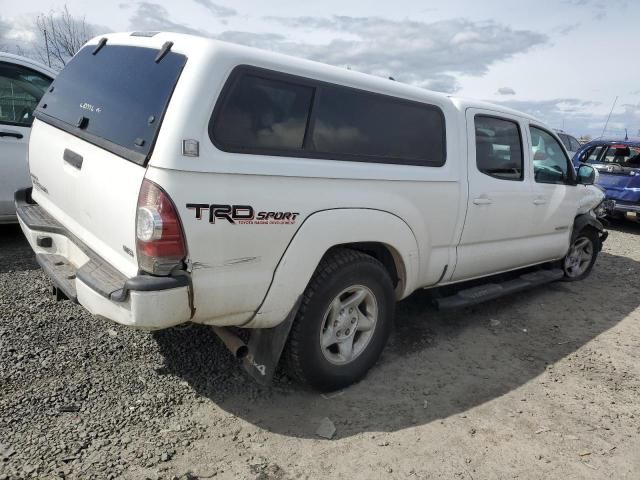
(233, 343)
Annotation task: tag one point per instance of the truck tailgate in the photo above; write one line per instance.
(89, 190)
(94, 133)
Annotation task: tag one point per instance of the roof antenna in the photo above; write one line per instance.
(607, 122)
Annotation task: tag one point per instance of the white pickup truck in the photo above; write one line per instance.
(180, 179)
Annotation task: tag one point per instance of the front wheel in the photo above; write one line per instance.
(343, 323)
(582, 255)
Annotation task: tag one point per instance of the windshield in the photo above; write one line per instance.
(622, 155)
(115, 98)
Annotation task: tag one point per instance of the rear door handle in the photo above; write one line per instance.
(7, 133)
(482, 201)
(539, 201)
(72, 158)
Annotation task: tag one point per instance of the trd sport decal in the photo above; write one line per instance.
(241, 214)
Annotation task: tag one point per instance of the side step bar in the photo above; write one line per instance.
(491, 291)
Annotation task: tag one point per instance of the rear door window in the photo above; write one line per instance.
(499, 148)
(115, 98)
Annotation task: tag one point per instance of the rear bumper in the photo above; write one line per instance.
(143, 301)
(8, 219)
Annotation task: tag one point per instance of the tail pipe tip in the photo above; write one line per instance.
(234, 344)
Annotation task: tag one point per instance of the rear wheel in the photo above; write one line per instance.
(582, 255)
(343, 323)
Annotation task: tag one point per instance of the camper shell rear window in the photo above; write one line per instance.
(114, 97)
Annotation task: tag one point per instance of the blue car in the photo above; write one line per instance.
(618, 163)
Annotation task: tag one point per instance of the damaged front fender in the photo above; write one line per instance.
(589, 220)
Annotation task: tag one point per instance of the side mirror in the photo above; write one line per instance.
(587, 175)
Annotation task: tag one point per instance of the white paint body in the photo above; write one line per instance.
(252, 275)
(14, 170)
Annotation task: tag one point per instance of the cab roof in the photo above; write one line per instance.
(463, 103)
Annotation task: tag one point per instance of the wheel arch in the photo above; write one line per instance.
(586, 220)
(386, 254)
(381, 234)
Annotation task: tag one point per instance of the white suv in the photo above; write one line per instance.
(22, 84)
(181, 179)
(571, 143)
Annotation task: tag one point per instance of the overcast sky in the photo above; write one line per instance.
(563, 61)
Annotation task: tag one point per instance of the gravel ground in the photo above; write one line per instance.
(544, 384)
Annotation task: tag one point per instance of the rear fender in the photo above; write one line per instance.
(322, 231)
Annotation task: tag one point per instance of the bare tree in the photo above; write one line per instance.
(59, 36)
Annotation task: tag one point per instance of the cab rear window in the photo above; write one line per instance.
(114, 98)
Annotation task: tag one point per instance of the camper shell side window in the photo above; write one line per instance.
(263, 112)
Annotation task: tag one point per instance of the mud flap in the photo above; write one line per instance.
(265, 348)
(603, 236)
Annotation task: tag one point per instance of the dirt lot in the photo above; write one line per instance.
(544, 384)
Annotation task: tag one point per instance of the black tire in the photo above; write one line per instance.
(339, 270)
(587, 234)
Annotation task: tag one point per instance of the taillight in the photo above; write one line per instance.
(159, 237)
